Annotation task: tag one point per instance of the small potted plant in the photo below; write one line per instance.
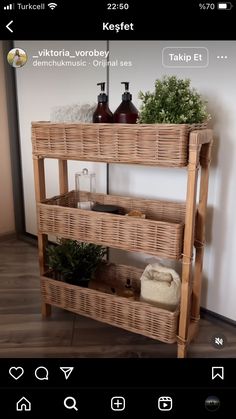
(74, 262)
(173, 101)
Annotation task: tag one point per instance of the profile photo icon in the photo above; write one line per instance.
(17, 57)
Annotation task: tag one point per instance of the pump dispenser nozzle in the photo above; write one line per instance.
(102, 84)
(126, 83)
(102, 112)
(102, 97)
(126, 95)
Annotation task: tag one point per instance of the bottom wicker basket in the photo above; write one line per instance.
(135, 316)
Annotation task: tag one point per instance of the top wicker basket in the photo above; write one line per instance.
(149, 144)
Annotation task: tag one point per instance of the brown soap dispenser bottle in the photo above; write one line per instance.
(102, 112)
(126, 113)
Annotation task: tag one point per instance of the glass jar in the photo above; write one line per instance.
(85, 185)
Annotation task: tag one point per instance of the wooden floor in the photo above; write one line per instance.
(24, 334)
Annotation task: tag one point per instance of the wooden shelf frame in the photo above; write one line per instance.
(199, 156)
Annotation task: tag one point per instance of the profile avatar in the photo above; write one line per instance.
(17, 57)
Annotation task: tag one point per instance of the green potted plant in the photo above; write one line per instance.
(173, 101)
(73, 261)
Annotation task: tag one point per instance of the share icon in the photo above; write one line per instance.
(67, 371)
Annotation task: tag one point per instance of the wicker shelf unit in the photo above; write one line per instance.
(171, 229)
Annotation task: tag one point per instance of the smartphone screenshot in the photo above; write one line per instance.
(117, 209)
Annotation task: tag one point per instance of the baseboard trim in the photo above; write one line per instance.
(28, 238)
(7, 236)
(205, 313)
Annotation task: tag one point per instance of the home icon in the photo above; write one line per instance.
(23, 405)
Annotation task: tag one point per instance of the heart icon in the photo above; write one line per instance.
(16, 372)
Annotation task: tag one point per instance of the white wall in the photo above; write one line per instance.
(40, 89)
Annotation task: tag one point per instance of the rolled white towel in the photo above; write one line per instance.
(161, 286)
(73, 113)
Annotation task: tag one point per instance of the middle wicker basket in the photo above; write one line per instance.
(160, 234)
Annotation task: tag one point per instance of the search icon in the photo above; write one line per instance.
(41, 373)
(71, 404)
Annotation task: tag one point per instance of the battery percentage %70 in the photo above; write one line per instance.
(207, 6)
(213, 6)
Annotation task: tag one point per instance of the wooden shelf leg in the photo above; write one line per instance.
(182, 350)
(205, 157)
(46, 310)
(40, 194)
(63, 176)
(42, 244)
(188, 249)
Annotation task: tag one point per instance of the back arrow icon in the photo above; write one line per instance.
(8, 26)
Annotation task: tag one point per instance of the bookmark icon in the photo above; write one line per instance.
(217, 372)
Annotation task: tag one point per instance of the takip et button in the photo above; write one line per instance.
(180, 57)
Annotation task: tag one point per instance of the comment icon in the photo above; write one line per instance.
(41, 373)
